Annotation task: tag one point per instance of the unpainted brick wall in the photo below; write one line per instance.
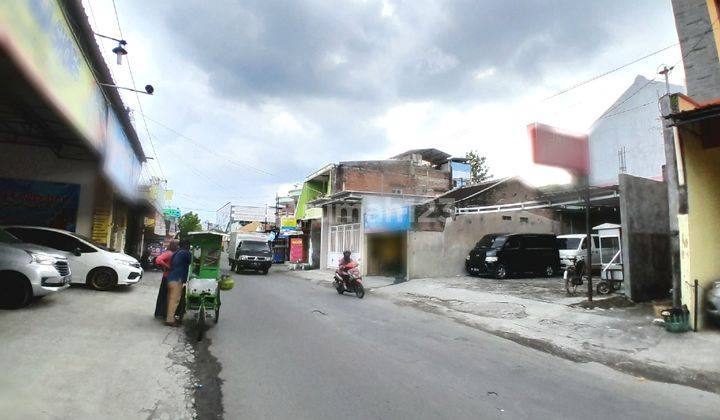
(387, 176)
(700, 53)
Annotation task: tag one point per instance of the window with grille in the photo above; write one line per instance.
(345, 238)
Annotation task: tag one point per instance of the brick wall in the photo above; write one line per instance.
(702, 67)
(388, 176)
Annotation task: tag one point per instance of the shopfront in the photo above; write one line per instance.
(386, 223)
(69, 156)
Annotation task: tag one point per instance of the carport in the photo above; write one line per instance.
(639, 205)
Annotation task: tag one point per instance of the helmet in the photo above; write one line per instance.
(347, 254)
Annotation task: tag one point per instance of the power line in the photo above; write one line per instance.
(592, 79)
(137, 97)
(200, 145)
(700, 36)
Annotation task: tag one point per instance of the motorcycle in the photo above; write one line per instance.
(576, 275)
(349, 280)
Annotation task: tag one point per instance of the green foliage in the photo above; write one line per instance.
(189, 222)
(480, 171)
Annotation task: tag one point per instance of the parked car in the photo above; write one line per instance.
(573, 249)
(28, 271)
(476, 258)
(519, 253)
(91, 263)
(253, 254)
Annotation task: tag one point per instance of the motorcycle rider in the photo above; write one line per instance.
(343, 265)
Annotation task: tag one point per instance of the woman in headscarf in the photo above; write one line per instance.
(164, 262)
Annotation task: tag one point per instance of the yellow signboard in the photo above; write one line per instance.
(288, 223)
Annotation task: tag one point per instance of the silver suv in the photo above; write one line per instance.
(27, 271)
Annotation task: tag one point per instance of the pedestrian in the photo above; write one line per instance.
(164, 262)
(176, 279)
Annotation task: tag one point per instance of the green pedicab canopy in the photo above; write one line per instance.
(206, 251)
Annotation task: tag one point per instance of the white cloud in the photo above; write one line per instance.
(485, 73)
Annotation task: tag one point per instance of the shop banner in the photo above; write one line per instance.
(387, 219)
(160, 225)
(296, 249)
(39, 203)
(120, 163)
(288, 223)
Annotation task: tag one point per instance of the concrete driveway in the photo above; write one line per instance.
(85, 354)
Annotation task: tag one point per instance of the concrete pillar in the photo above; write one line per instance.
(671, 177)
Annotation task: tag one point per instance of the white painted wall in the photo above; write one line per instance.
(633, 121)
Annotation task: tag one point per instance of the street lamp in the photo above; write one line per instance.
(148, 88)
(120, 50)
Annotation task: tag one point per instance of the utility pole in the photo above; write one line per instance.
(666, 72)
(588, 239)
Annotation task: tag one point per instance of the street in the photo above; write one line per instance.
(288, 348)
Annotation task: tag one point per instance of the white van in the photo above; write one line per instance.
(572, 249)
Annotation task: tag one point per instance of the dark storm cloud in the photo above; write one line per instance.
(426, 49)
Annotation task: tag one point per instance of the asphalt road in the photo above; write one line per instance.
(291, 349)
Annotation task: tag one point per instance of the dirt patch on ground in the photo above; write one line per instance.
(612, 302)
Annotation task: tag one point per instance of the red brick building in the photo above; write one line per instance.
(367, 206)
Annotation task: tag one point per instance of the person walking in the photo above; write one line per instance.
(164, 262)
(176, 279)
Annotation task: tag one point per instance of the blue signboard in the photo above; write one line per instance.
(39, 203)
(120, 163)
(387, 220)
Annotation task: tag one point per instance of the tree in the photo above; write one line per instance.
(479, 169)
(189, 222)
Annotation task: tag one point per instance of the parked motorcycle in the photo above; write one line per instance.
(347, 279)
(576, 275)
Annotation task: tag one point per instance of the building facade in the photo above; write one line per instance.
(69, 155)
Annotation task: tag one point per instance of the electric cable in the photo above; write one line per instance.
(137, 97)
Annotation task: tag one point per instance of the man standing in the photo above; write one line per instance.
(176, 280)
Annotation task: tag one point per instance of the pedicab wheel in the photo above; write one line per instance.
(217, 307)
(201, 323)
(603, 288)
(570, 287)
(359, 290)
(615, 286)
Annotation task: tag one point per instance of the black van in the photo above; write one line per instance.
(514, 254)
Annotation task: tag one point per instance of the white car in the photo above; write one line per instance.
(28, 271)
(91, 264)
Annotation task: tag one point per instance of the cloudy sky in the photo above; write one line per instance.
(252, 96)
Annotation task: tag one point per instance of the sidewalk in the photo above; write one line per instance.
(84, 354)
(537, 313)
